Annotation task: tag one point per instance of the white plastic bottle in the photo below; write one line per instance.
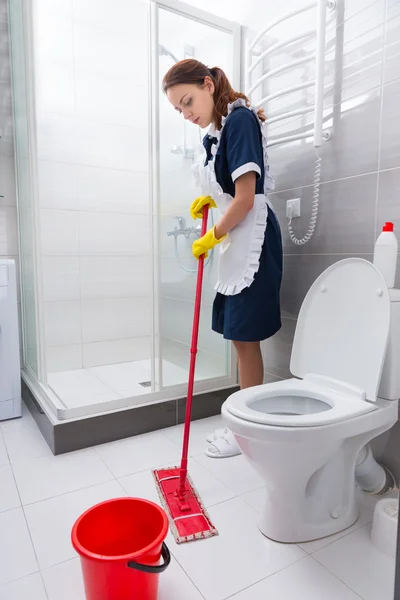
(385, 254)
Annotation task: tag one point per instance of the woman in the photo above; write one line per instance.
(234, 173)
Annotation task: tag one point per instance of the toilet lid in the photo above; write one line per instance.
(343, 326)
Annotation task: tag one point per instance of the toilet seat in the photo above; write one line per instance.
(337, 367)
(340, 405)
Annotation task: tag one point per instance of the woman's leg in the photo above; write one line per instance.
(250, 363)
(251, 373)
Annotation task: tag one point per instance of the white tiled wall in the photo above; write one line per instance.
(92, 135)
(357, 189)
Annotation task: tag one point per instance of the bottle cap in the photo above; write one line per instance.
(388, 226)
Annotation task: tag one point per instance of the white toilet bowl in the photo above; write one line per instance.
(303, 436)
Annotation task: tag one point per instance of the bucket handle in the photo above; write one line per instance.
(150, 569)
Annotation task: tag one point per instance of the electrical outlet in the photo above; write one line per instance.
(293, 208)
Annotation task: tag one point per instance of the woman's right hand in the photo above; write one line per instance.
(196, 209)
(206, 243)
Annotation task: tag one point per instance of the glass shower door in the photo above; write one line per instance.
(25, 187)
(179, 35)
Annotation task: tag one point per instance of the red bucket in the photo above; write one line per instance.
(120, 543)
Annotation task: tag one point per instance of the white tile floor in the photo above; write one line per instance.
(42, 495)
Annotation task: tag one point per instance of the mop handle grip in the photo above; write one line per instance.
(206, 208)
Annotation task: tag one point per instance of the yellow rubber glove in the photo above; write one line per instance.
(205, 243)
(196, 210)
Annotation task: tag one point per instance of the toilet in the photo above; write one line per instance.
(303, 435)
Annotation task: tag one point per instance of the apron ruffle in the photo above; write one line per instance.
(253, 257)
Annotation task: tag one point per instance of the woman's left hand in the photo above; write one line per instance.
(196, 209)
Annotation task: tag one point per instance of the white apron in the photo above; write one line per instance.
(239, 253)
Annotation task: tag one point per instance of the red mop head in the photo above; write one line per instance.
(188, 518)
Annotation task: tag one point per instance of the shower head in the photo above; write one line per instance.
(162, 50)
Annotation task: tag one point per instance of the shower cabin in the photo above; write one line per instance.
(104, 179)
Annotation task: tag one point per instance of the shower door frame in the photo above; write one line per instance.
(36, 381)
(235, 30)
(46, 399)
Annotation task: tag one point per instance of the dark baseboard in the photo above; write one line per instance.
(42, 421)
(100, 429)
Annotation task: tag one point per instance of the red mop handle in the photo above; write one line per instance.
(193, 353)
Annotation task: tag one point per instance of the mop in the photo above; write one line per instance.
(187, 516)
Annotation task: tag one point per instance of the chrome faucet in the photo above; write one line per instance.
(182, 229)
(181, 223)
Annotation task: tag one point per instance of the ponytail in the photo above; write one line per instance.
(224, 94)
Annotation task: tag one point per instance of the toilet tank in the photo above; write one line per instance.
(390, 380)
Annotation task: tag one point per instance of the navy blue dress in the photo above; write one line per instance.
(254, 314)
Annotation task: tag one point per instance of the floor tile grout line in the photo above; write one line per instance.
(221, 481)
(341, 537)
(29, 531)
(104, 463)
(8, 510)
(44, 585)
(80, 489)
(250, 492)
(61, 562)
(337, 577)
(288, 567)
(212, 473)
(118, 477)
(265, 578)
(6, 449)
(38, 572)
(187, 575)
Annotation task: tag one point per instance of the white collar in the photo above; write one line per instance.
(213, 131)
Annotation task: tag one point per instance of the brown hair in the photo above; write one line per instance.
(195, 72)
